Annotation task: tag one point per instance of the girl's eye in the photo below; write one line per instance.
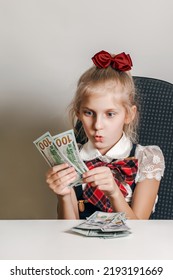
(88, 113)
(111, 114)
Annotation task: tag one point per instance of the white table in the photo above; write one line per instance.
(52, 239)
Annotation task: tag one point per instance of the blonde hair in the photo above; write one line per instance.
(94, 77)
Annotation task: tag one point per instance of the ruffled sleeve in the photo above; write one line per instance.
(151, 163)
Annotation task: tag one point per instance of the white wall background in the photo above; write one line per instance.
(45, 45)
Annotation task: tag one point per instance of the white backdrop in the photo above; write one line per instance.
(45, 45)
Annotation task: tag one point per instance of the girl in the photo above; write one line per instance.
(123, 176)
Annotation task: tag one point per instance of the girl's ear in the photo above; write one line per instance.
(78, 115)
(131, 114)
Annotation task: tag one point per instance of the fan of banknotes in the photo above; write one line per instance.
(104, 225)
(62, 148)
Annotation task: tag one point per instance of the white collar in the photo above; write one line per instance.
(119, 151)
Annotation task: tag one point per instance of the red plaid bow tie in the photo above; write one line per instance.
(124, 172)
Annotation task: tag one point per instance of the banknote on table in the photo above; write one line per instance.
(108, 221)
(102, 218)
(66, 143)
(100, 234)
(46, 146)
(103, 224)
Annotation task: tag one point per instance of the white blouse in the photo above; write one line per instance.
(151, 162)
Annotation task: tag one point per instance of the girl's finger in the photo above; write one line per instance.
(66, 178)
(94, 171)
(61, 174)
(56, 168)
(97, 176)
(64, 183)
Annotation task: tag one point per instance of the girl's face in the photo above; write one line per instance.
(103, 117)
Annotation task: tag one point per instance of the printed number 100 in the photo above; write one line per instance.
(44, 144)
(63, 141)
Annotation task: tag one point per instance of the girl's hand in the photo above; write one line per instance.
(102, 178)
(60, 177)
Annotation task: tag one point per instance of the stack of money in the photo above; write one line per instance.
(62, 148)
(104, 225)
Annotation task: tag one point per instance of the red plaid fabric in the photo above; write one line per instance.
(124, 171)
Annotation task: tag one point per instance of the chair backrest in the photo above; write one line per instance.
(155, 128)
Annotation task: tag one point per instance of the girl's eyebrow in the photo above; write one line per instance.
(86, 108)
(107, 109)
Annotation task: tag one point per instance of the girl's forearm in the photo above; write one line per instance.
(66, 208)
(120, 205)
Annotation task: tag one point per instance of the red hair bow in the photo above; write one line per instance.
(121, 62)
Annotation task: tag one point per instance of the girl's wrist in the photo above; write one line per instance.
(114, 195)
(64, 197)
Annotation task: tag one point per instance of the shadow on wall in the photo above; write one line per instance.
(24, 193)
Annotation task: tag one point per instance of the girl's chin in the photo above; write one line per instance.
(101, 148)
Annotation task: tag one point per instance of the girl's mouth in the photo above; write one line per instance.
(98, 138)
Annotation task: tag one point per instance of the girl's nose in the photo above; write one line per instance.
(98, 123)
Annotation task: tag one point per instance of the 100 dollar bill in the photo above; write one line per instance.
(104, 225)
(66, 143)
(49, 151)
(53, 156)
(101, 234)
